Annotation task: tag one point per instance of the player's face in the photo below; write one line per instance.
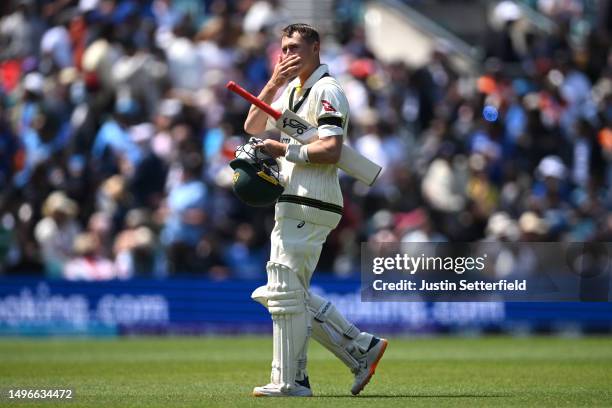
(296, 45)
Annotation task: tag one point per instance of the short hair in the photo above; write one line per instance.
(308, 33)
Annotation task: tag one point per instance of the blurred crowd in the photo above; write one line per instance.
(116, 131)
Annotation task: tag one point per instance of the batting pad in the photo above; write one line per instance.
(286, 301)
(335, 333)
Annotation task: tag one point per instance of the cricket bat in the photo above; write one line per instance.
(353, 163)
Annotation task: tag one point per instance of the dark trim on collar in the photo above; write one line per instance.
(303, 98)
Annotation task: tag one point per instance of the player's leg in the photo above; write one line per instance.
(297, 244)
(359, 351)
(301, 248)
(286, 300)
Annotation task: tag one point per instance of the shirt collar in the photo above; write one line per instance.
(314, 77)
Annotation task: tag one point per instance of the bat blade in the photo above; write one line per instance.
(358, 166)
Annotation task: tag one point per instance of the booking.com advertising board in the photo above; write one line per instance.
(30, 306)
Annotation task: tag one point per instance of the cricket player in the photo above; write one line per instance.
(308, 209)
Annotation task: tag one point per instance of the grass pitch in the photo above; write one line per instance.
(221, 371)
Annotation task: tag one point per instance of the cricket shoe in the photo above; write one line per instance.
(368, 363)
(300, 389)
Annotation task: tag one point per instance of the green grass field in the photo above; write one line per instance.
(221, 371)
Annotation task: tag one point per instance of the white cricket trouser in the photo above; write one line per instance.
(297, 244)
(295, 249)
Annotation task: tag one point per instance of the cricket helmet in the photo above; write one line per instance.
(256, 179)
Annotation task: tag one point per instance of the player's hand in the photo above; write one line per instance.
(285, 70)
(272, 148)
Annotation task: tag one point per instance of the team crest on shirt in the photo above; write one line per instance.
(327, 107)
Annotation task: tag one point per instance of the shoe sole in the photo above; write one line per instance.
(372, 367)
(260, 394)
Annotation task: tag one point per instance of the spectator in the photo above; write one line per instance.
(243, 256)
(136, 252)
(113, 140)
(121, 107)
(20, 32)
(88, 264)
(56, 232)
(55, 45)
(441, 186)
(184, 216)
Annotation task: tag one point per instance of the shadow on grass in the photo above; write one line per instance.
(415, 396)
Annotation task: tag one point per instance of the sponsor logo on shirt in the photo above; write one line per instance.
(327, 107)
(295, 124)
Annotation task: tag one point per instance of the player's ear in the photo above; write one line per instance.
(316, 46)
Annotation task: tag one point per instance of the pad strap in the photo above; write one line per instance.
(288, 302)
(321, 316)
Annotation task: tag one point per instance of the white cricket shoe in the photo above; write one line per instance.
(368, 363)
(300, 389)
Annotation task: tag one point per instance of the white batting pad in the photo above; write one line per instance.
(287, 305)
(335, 333)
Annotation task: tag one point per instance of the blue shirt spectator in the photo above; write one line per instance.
(112, 135)
(186, 212)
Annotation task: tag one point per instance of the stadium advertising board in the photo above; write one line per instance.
(39, 307)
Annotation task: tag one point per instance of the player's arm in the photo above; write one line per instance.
(255, 122)
(325, 150)
(285, 69)
(331, 112)
(328, 147)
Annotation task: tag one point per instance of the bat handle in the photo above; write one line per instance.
(234, 87)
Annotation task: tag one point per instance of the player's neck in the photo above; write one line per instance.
(308, 72)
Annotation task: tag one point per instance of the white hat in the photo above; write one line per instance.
(142, 132)
(34, 82)
(497, 223)
(551, 166)
(85, 243)
(506, 11)
(58, 201)
(88, 5)
(500, 225)
(530, 222)
(169, 107)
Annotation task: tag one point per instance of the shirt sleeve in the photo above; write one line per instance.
(331, 111)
